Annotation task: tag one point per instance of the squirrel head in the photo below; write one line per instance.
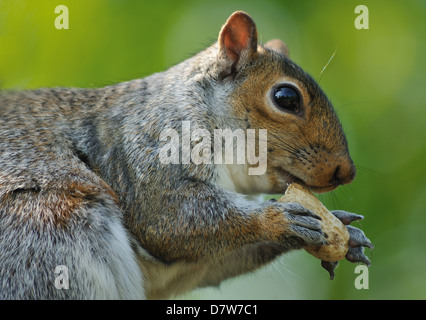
(305, 140)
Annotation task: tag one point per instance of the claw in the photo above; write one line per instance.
(356, 254)
(346, 217)
(357, 242)
(357, 238)
(329, 266)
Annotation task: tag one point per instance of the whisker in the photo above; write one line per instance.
(294, 147)
(306, 137)
(378, 174)
(331, 198)
(292, 155)
(289, 148)
(327, 64)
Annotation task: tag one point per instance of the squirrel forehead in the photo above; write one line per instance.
(270, 69)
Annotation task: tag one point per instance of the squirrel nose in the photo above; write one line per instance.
(344, 173)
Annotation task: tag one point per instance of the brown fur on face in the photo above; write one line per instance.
(309, 148)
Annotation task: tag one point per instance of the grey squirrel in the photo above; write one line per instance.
(81, 184)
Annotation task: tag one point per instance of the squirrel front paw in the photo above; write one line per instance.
(302, 227)
(357, 242)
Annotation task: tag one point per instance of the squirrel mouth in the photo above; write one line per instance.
(291, 178)
(323, 189)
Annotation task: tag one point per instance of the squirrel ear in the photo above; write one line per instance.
(278, 46)
(238, 37)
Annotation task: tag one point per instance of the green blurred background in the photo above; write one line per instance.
(376, 82)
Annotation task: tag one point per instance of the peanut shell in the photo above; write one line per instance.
(336, 231)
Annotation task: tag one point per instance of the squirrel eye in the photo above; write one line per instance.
(287, 98)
